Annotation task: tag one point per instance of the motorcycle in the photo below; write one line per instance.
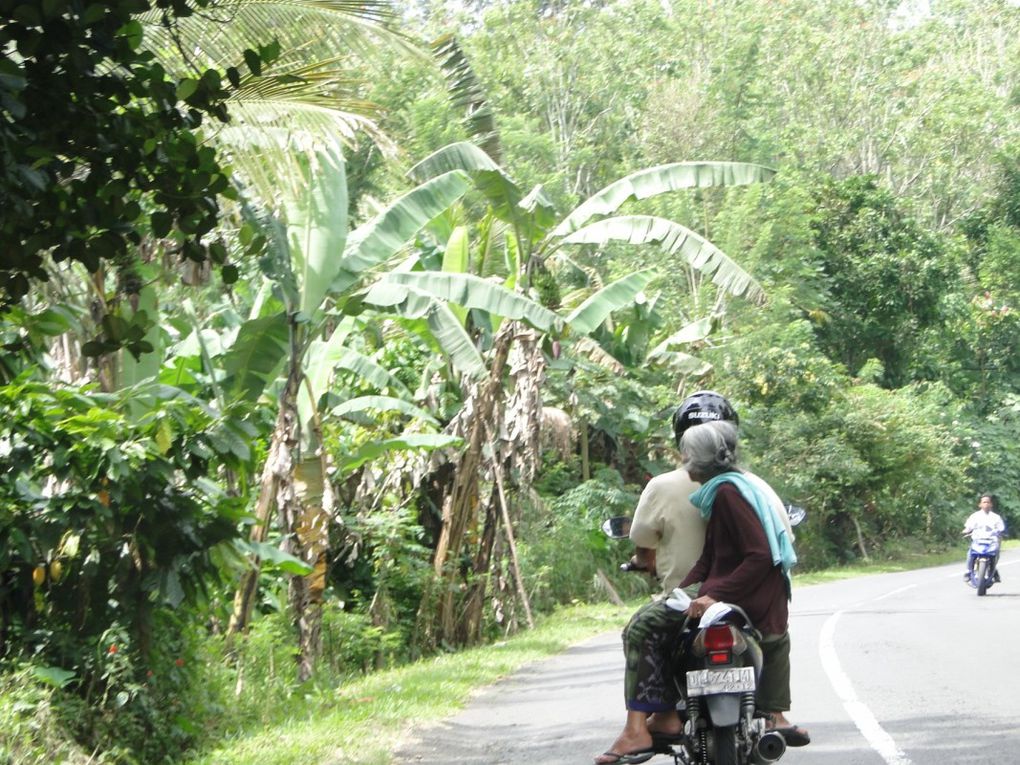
(716, 668)
(981, 560)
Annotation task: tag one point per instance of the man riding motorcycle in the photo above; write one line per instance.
(982, 523)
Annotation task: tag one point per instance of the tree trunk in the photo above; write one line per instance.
(277, 464)
(309, 528)
(585, 464)
(461, 503)
(475, 601)
(515, 565)
(860, 538)
(614, 596)
(278, 488)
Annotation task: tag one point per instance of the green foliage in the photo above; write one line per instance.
(147, 705)
(98, 142)
(379, 587)
(106, 519)
(359, 720)
(250, 684)
(627, 415)
(780, 366)
(874, 468)
(140, 709)
(24, 336)
(976, 356)
(562, 547)
(31, 732)
(868, 291)
(885, 276)
(996, 460)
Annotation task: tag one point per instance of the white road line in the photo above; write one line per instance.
(863, 718)
(894, 592)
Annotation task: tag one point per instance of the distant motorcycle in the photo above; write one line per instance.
(716, 667)
(981, 561)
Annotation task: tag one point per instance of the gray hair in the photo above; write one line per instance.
(710, 448)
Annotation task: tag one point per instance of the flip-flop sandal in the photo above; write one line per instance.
(794, 736)
(629, 758)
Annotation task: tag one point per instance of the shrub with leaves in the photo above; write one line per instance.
(877, 470)
(105, 517)
(562, 546)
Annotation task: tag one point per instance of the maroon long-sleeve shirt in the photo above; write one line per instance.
(736, 563)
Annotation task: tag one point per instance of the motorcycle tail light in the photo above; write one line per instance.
(719, 643)
(719, 638)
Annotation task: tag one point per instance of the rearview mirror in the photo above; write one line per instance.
(617, 527)
(796, 514)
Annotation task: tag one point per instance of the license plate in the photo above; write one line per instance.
(703, 682)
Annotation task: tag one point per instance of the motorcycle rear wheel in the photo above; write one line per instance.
(981, 575)
(725, 745)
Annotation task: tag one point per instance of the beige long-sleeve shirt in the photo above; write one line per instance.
(667, 522)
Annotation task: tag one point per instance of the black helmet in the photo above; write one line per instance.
(703, 406)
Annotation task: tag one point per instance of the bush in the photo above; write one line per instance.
(562, 547)
(875, 468)
(110, 534)
(31, 732)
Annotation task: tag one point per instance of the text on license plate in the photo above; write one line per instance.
(702, 682)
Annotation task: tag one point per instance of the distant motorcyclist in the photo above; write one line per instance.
(984, 523)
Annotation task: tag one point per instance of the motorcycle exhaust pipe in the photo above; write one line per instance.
(770, 747)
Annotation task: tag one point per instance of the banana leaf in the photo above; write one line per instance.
(382, 404)
(406, 442)
(147, 365)
(316, 210)
(369, 371)
(255, 358)
(531, 215)
(698, 252)
(321, 360)
(454, 340)
(593, 311)
(689, 333)
(384, 236)
(659, 180)
(467, 290)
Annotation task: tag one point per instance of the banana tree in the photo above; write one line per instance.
(315, 268)
(500, 418)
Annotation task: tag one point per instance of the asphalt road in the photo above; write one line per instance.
(897, 669)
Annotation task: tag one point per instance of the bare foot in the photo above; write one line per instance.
(778, 720)
(667, 723)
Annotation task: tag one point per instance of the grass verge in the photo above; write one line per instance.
(363, 720)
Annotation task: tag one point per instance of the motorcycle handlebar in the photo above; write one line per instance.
(632, 566)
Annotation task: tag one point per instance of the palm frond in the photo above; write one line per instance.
(271, 161)
(217, 36)
(466, 92)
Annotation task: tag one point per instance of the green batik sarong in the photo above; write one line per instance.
(650, 643)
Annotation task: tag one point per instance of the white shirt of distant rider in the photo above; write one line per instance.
(983, 524)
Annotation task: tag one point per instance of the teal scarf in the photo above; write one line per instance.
(779, 540)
